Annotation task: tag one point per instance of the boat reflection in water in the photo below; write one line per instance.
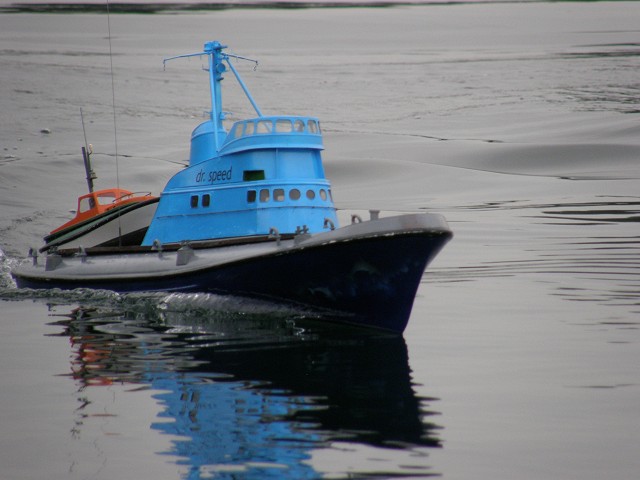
(256, 396)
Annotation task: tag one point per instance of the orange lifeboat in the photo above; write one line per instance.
(96, 203)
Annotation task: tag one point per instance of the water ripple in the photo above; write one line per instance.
(585, 251)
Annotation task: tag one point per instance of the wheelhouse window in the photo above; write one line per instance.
(264, 195)
(253, 175)
(278, 194)
(323, 194)
(313, 126)
(206, 200)
(264, 126)
(236, 130)
(106, 198)
(86, 204)
(194, 201)
(283, 126)
(275, 125)
(251, 196)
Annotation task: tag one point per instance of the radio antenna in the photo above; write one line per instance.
(113, 96)
(115, 129)
(87, 150)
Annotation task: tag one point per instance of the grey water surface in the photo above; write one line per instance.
(519, 122)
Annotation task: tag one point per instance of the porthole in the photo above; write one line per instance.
(294, 194)
(313, 126)
(278, 194)
(264, 195)
(311, 194)
(323, 194)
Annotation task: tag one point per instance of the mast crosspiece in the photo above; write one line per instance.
(216, 67)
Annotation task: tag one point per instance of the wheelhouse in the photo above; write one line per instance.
(265, 174)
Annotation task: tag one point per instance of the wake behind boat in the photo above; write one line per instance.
(253, 215)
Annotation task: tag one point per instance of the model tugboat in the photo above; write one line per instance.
(253, 215)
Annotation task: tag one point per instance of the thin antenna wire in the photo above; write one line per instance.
(115, 129)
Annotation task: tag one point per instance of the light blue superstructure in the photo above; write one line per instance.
(263, 176)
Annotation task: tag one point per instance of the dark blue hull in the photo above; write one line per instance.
(368, 281)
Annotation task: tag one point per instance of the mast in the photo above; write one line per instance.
(91, 175)
(87, 150)
(216, 67)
